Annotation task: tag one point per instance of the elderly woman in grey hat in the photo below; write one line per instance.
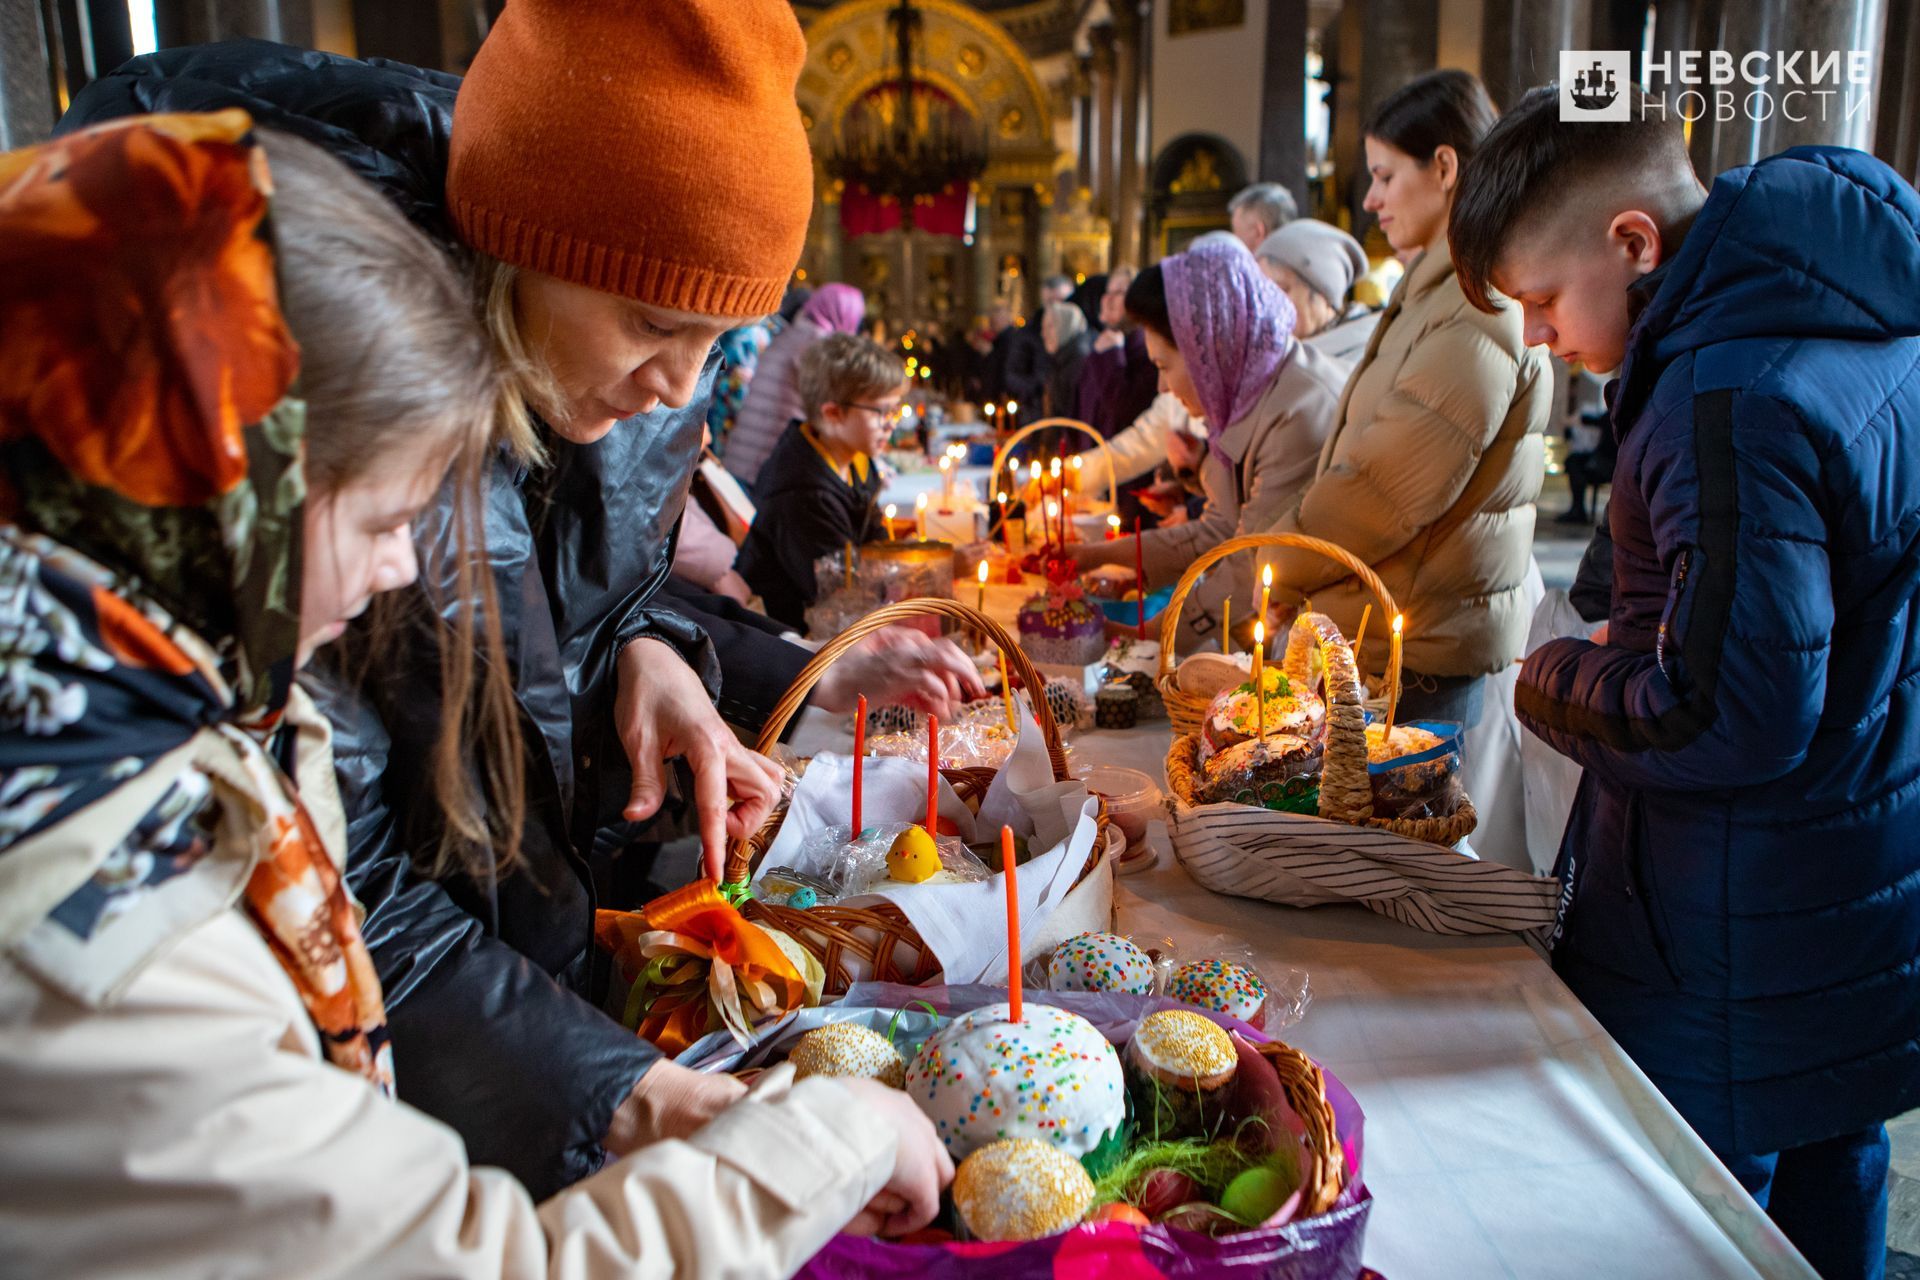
(1317, 264)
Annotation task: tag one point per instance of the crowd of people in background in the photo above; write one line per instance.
(572, 445)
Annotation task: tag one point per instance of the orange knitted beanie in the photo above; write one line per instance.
(649, 148)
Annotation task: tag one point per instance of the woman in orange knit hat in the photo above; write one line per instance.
(625, 180)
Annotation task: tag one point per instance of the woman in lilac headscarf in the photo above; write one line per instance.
(773, 397)
(1221, 335)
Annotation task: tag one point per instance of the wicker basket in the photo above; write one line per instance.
(881, 938)
(1186, 710)
(1346, 790)
(1071, 424)
(1323, 1169)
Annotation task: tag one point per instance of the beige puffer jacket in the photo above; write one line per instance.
(169, 1113)
(1430, 477)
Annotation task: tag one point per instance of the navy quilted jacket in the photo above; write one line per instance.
(1743, 860)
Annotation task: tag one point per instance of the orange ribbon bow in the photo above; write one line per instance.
(696, 964)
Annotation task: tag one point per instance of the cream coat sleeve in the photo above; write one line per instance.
(191, 1129)
(1139, 448)
(1392, 477)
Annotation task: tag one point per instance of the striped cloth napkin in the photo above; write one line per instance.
(1307, 861)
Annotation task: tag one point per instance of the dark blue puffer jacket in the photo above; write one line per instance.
(1743, 859)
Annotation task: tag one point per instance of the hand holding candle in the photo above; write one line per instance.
(1013, 923)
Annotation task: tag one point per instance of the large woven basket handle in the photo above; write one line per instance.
(1000, 457)
(1170, 616)
(1325, 1168)
(1346, 792)
(740, 858)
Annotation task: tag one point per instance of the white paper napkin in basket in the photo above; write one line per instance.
(963, 924)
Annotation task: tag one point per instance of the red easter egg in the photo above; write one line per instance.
(945, 826)
(1164, 1190)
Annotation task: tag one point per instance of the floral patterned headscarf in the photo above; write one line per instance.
(1233, 326)
(151, 500)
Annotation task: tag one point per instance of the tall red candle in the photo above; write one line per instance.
(859, 758)
(933, 774)
(1140, 576)
(1013, 924)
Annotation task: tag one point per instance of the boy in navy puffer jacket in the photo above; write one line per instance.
(1743, 859)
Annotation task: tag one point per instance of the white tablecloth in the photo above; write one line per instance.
(1506, 1133)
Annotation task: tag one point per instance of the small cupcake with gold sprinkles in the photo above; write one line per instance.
(1180, 1067)
(1020, 1189)
(848, 1051)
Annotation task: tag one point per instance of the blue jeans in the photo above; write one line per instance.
(1830, 1198)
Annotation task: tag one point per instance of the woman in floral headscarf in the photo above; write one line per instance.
(226, 388)
(1221, 335)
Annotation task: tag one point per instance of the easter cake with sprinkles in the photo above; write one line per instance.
(1224, 987)
(1050, 1076)
(1100, 962)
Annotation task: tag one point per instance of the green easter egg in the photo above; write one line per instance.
(1256, 1194)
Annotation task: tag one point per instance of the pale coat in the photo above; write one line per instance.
(1430, 477)
(169, 1113)
(1271, 454)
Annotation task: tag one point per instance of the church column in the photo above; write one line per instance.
(203, 21)
(1818, 28)
(1521, 40)
(1105, 144)
(1283, 100)
(1400, 41)
(26, 79)
(1129, 32)
(1896, 124)
(1083, 120)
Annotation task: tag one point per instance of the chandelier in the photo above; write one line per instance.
(906, 141)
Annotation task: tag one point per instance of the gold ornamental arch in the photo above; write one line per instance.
(962, 52)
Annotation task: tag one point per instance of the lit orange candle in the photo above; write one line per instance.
(1006, 529)
(1013, 923)
(1113, 528)
(920, 517)
(1266, 590)
(1393, 671)
(1260, 679)
(981, 603)
(891, 511)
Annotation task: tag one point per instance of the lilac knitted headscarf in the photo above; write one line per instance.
(1233, 326)
(837, 308)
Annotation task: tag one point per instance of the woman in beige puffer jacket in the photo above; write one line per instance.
(1437, 452)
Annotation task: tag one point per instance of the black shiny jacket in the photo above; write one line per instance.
(491, 981)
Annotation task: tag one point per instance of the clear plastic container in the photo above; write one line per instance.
(1133, 799)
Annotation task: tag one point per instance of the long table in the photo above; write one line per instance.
(1506, 1133)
